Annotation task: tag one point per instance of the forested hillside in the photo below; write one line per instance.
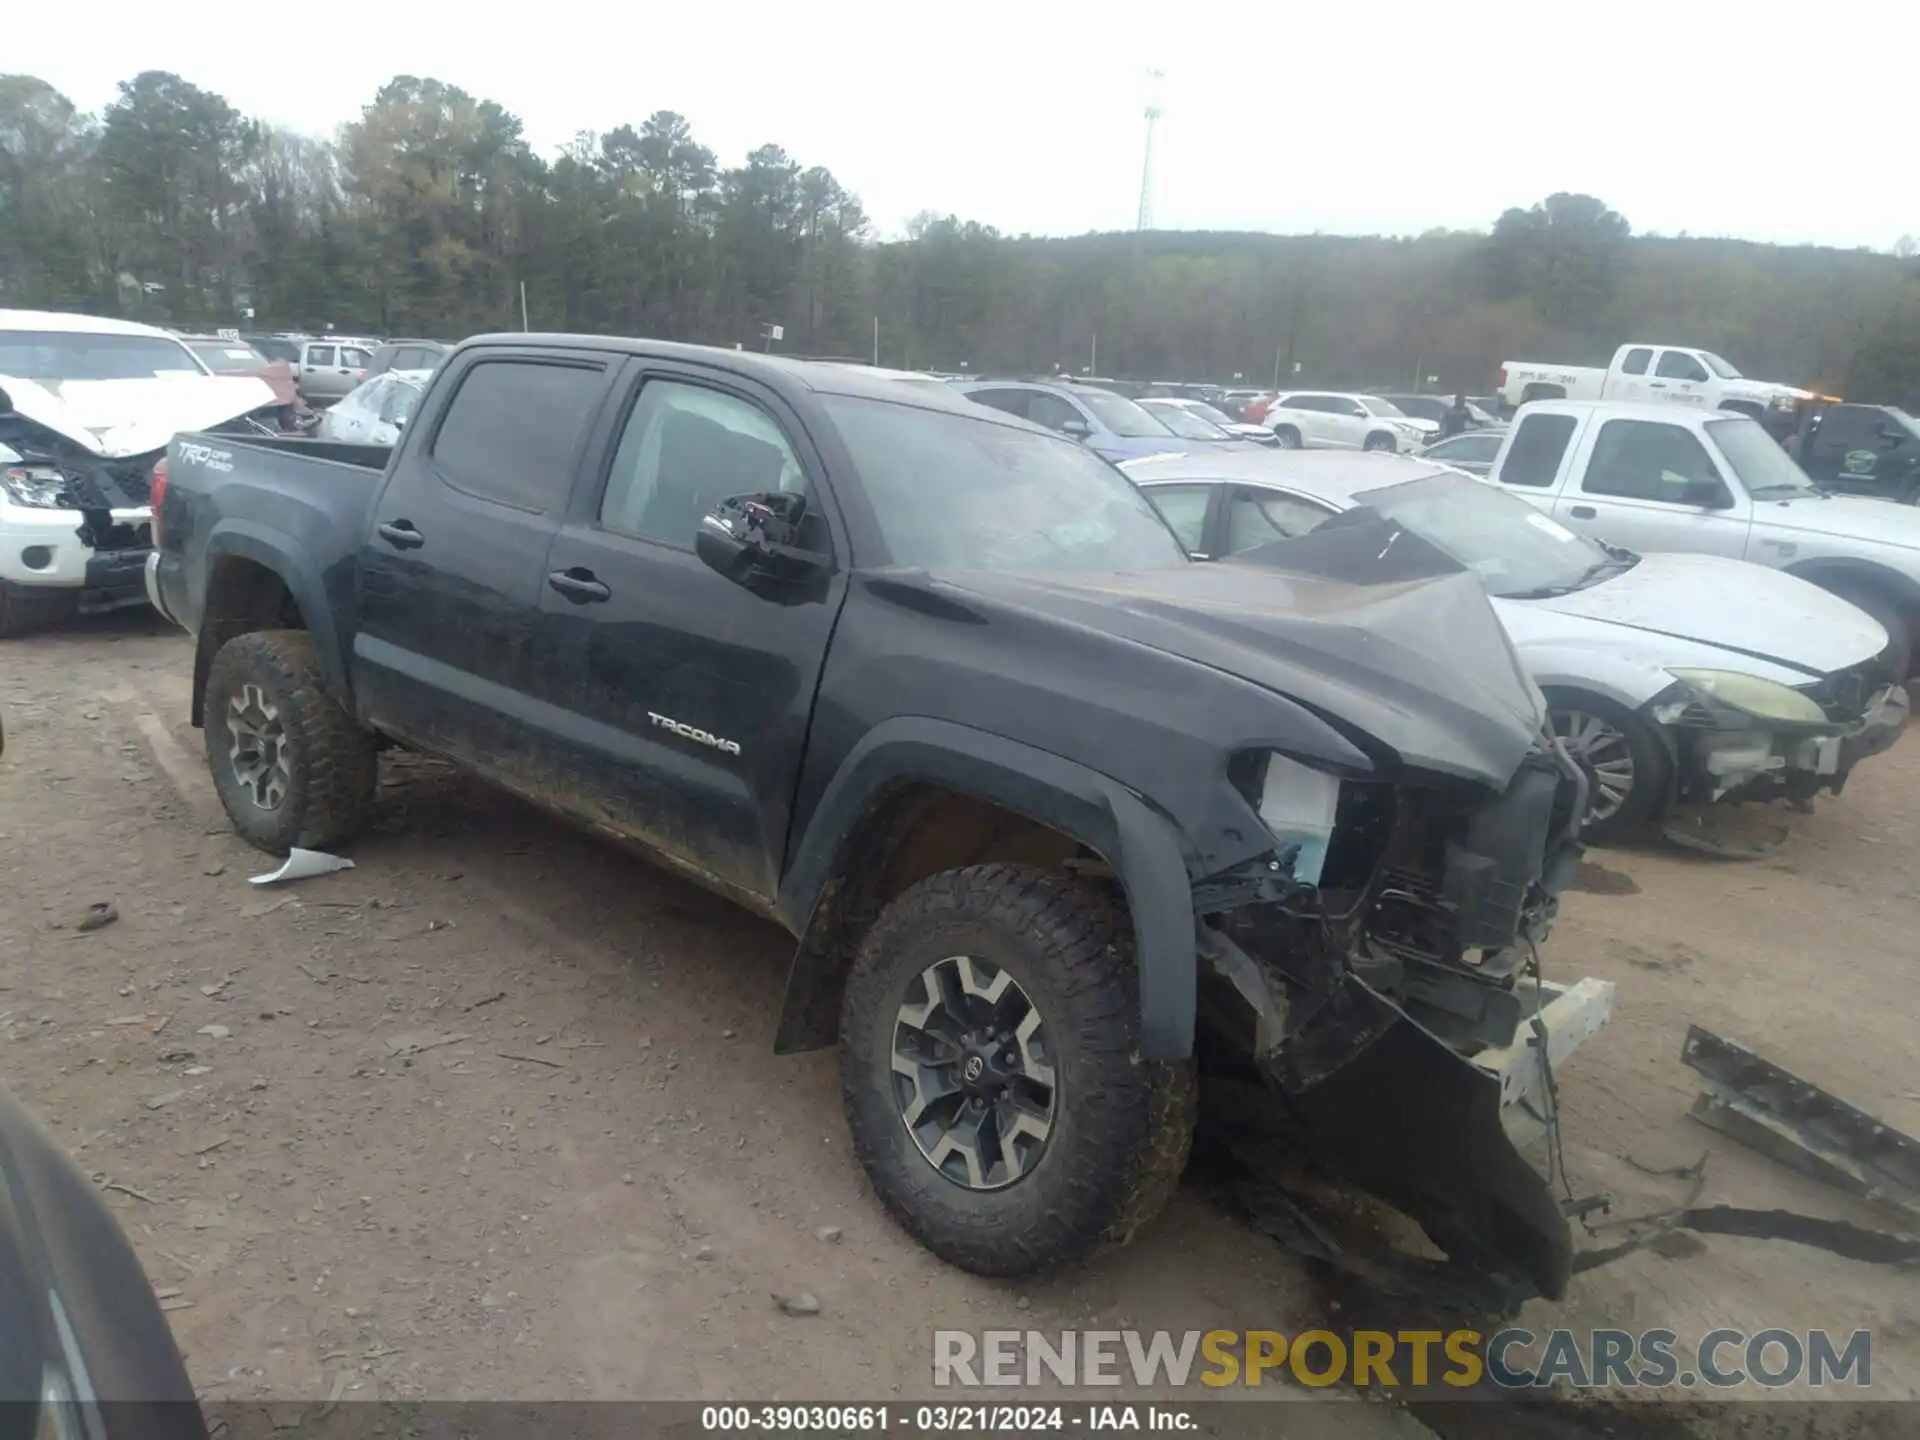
(428, 213)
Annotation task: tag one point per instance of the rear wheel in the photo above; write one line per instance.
(1288, 437)
(989, 1056)
(290, 765)
(1628, 770)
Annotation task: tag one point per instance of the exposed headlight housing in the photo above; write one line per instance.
(1753, 696)
(1297, 805)
(36, 487)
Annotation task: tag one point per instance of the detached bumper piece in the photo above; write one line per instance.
(1754, 1101)
(115, 579)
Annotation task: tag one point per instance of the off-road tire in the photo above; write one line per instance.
(331, 759)
(1123, 1125)
(23, 611)
(1287, 436)
(1652, 768)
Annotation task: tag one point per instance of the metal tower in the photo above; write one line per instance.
(1145, 221)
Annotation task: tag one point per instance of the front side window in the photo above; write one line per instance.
(1053, 412)
(950, 492)
(355, 359)
(684, 450)
(1646, 460)
(1678, 365)
(513, 429)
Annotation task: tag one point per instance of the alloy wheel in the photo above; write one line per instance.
(258, 752)
(1601, 750)
(972, 1073)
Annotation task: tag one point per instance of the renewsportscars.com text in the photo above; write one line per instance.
(1648, 1359)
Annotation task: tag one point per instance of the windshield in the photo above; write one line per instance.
(1183, 422)
(51, 356)
(1120, 415)
(950, 492)
(226, 357)
(1208, 412)
(1512, 547)
(1768, 472)
(1903, 419)
(1719, 367)
(1374, 405)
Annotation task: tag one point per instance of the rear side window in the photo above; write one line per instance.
(1539, 444)
(1014, 402)
(513, 429)
(320, 355)
(1636, 361)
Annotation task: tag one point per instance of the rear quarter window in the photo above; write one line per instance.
(512, 431)
(1539, 445)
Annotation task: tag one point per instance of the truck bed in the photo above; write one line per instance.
(311, 495)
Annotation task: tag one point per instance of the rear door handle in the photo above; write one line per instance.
(579, 585)
(401, 535)
(1582, 512)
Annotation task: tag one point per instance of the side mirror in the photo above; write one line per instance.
(399, 422)
(751, 539)
(1076, 429)
(1706, 494)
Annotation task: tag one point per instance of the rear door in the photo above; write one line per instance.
(672, 702)
(452, 571)
(1636, 488)
(317, 363)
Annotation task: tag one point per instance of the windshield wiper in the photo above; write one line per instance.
(1613, 564)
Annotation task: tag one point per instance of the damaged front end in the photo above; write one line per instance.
(1378, 971)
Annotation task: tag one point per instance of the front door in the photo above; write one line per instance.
(452, 571)
(1642, 488)
(1678, 378)
(676, 701)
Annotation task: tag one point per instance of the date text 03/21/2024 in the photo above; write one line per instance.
(941, 1419)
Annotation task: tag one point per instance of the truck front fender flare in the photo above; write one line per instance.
(1840, 573)
(1141, 844)
(274, 551)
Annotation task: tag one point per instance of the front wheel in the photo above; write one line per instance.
(1899, 651)
(1377, 441)
(1287, 437)
(290, 765)
(1626, 763)
(989, 1056)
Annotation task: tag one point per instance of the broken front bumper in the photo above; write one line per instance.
(1719, 763)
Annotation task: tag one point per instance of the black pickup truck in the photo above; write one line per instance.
(1059, 820)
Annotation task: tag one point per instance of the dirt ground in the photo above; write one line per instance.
(495, 1113)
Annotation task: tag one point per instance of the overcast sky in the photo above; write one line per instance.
(1347, 119)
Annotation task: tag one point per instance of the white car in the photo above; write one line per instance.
(1671, 678)
(375, 412)
(1329, 420)
(90, 404)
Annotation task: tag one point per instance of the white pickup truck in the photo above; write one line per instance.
(1654, 477)
(1673, 374)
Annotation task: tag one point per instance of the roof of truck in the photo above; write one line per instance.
(821, 376)
(70, 323)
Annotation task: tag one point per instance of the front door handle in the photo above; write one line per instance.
(401, 535)
(579, 585)
(1582, 512)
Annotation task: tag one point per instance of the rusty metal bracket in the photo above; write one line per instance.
(1754, 1101)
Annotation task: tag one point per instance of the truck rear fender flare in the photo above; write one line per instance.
(819, 900)
(275, 552)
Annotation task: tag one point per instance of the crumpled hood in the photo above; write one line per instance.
(1849, 517)
(1422, 666)
(1725, 603)
(117, 418)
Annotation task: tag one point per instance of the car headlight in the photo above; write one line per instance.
(36, 487)
(1762, 699)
